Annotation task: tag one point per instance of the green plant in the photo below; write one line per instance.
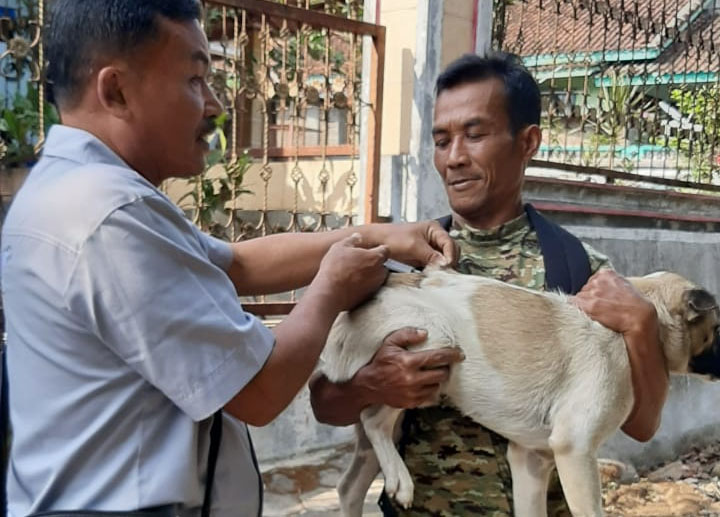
(698, 138)
(220, 182)
(20, 126)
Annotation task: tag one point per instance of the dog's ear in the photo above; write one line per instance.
(699, 303)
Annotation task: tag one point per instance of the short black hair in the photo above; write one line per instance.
(522, 94)
(80, 31)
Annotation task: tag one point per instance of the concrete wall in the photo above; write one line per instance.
(690, 419)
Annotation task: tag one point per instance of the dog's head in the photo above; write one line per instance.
(688, 315)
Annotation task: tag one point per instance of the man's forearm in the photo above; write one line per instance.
(287, 261)
(650, 389)
(337, 404)
(282, 262)
(299, 340)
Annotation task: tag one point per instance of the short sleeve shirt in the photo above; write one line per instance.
(124, 336)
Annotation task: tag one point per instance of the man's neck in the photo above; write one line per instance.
(488, 221)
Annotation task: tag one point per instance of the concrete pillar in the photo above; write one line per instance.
(370, 16)
(483, 26)
(424, 195)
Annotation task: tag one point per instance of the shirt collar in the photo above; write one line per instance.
(512, 230)
(79, 146)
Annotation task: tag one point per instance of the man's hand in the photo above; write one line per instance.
(394, 377)
(613, 302)
(402, 379)
(418, 244)
(348, 273)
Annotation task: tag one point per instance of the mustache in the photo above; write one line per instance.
(208, 126)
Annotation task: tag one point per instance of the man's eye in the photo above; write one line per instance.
(475, 136)
(441, 143)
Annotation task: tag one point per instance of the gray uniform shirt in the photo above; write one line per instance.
(124, 336)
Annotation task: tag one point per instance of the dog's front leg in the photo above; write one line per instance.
(358, 476)
(379, 424)
(581, 483)
(575, 456)
(531, 471)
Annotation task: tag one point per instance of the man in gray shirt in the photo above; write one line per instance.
(124, 331)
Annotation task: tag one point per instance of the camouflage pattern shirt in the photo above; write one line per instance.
(459, 467)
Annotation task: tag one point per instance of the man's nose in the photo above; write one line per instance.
(213, 106)
(458, 156)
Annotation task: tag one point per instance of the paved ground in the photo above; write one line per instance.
(687, 487)
(308, 489)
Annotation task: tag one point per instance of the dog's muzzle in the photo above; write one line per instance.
(708, 362)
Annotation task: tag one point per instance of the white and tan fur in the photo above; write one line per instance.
(537, 371)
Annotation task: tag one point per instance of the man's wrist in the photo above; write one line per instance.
(321, 295)
(644, 324)
(363, 388)
(373, 234)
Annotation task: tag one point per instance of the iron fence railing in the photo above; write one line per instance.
(290, 74)
(630, 88)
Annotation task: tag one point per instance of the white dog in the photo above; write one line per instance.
(537, 371)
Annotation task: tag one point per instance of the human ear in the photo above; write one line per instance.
(530, 136)
(110, 91)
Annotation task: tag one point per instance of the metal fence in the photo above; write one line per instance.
(290, 76)
(630, 88)
(290, 73)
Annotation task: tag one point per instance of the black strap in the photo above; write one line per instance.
(257, 469)
(4, 425)
(567, 266)
(215, 438)
(445, 222)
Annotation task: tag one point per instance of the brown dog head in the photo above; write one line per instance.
(688, 317)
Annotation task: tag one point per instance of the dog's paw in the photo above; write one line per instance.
(404, 495)
(392, 484)
(406, 488)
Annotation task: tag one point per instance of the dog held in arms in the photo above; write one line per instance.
(538, 371)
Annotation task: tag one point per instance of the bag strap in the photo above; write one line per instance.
(445, 222)
(215, 438)
(4, 425)
(567, 266)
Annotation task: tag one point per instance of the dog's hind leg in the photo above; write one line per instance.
(531, 471)
(379, 424)
(358, 476)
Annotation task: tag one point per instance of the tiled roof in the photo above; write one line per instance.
(548, 26)
(696, 50)
(617, 28)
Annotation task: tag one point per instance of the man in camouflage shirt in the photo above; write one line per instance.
(485, 131)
